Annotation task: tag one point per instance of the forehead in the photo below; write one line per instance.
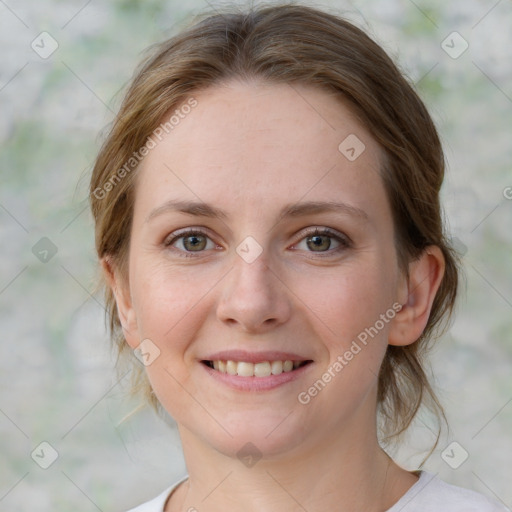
(245, 145)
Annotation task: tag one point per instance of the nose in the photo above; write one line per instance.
(254, 298)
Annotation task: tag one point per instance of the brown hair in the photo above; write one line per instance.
(292, 44)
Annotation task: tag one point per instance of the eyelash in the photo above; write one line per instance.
(345, 242)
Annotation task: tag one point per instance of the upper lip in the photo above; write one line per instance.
(254, 357)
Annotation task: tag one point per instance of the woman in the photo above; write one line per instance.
(268, 222)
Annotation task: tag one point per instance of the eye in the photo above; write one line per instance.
(196, 241)
(190, 241)
(320, 241)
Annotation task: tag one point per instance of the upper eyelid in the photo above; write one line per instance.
(186, 231)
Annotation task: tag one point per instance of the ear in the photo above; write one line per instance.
(417, 296)
(121, 290)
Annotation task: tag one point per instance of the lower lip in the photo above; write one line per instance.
(257, 383)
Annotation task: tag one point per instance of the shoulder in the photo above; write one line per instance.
(157, 504)
(431, 494)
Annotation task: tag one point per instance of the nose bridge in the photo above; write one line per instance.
(253, 296)
(251, 269)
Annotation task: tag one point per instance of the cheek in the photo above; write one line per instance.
(356, 309)
(355, 313)
(171, 307)
(350, 299)
(168, 301)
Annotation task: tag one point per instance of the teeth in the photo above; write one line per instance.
(244, 369)
(276, 367)
(288, 366)
(263, 369)
(231, 367)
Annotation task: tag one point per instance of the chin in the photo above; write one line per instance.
(251, 433)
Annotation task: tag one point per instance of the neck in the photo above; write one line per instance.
(344, 473)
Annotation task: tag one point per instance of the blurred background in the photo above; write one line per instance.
(64, 68)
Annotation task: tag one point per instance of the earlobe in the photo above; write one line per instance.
(121, 292)
(425, 276)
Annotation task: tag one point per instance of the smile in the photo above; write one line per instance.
(260, 369)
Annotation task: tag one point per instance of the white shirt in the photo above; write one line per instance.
(428, 494)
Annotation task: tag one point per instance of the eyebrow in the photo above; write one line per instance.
(293, 210)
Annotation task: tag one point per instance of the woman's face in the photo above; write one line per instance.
(252, 167)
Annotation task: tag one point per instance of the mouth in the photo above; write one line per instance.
(258, 370)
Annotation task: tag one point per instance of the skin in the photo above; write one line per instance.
(250, 148)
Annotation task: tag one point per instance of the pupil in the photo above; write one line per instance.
(317, 241)
(196, 241)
